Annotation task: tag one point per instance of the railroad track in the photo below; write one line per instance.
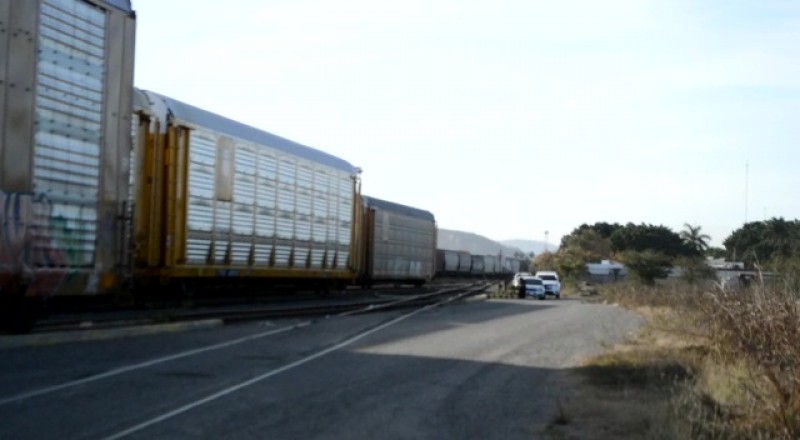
(381, 300)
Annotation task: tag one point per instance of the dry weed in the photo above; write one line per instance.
(747, 381)
(760, 329)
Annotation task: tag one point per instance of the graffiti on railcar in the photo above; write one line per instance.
(14, 240)
(28, 241)
(14, 228)
(28, 228)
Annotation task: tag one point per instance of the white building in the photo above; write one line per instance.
(606, 271)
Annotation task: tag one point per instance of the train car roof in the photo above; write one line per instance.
(401, 209)
(140, 101)
(202, 118)
(125, 5)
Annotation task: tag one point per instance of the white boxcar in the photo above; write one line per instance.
(400, 243)
(219, 198)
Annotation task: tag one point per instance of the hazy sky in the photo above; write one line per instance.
(511, 118)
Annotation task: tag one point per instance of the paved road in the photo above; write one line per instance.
(480, 369)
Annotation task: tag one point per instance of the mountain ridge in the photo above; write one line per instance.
(528, 246)
(473, 243)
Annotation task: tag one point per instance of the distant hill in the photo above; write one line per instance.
(528, 246)
(472, 243)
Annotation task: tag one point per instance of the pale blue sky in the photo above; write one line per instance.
(509, 118)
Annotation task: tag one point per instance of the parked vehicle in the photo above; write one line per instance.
(534, 287)
(552, 284)
(518, 276)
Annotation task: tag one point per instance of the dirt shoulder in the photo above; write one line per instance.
(628, 391)
(707, 364)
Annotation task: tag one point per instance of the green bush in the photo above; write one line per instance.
(647, 265)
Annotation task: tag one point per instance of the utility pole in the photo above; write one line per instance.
(746, 184)
(546, 234)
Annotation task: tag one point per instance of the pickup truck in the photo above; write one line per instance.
(552, 284)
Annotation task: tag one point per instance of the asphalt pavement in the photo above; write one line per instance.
(477, 369)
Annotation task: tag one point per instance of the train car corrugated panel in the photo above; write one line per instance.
(478, 265)
(511, 265)
(441, 261)
(505, 265)
(490, 264)
(402, 245)
(68, 137)
(65, 127)
(256, 209)
(464, 262)
(450, 261)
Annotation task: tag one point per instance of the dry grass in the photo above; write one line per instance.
(709, 364)
(627, 392)
(758, 332)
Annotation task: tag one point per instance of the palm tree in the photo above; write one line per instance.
(694, 238)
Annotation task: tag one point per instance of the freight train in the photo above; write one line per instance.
(107, 188)
(462, 264)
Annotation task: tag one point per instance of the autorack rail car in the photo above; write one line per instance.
(66, 95)
(217, 198)
(399, 243)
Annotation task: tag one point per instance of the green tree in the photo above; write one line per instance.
(545, 261)
(746, 243)
(644, 237)
(764, 241)
(570, 263)
(782, 237)
(603, 229)
(647, 265)
(716, 252)
(585, 244)
(590, 244)
(695, 269)
(695, 239)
